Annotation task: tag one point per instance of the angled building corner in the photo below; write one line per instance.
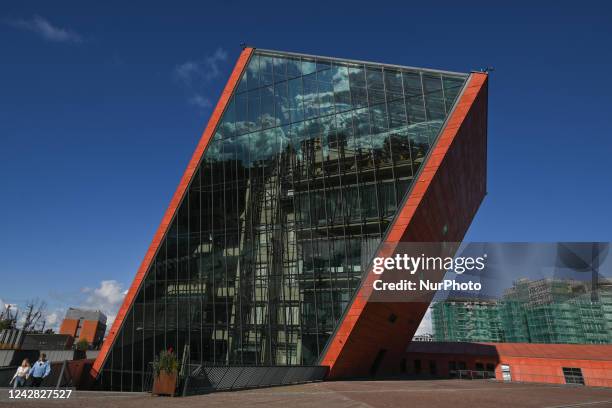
(170, 213)
(439, 207)
(306, 167)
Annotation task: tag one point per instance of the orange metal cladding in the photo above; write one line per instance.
(69, 326)
(172, 208)
(544, 363)
(88, 330)
(440, 207)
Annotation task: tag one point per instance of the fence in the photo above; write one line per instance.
(206, 379)
(472, 374)
(203, 379)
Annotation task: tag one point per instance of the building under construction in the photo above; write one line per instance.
(531, 311)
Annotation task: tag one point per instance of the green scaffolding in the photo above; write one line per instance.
(545, 311)
(462, 320)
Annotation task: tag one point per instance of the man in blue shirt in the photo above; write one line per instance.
(40, 370)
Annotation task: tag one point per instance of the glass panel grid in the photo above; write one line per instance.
(306, 170)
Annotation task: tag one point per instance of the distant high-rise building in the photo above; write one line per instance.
(459, 319)
(531, 311)
(84, 324)
(557, 311)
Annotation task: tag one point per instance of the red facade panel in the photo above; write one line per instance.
(88, 330)
(439, 207)
(542, 363)
(69, 326)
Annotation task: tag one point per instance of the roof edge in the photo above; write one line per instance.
(356, 61)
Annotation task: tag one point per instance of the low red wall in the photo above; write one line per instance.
(545, 370)
(542, 363)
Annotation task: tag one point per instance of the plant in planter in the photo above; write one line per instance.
(165, 369)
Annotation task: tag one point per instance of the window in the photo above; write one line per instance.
(417, 366)
(452, 369)
(433, 368)
(573, 375)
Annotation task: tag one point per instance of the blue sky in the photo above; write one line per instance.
(97, 122)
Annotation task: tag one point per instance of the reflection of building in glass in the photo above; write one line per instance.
(459, 319)
(542, 311)
(306, 169)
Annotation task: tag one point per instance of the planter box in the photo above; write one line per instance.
(164, 384)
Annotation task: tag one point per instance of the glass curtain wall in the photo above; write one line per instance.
(305, 172)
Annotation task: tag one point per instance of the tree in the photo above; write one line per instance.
(33, 311)
(7, 318)
(4, 324)
(82, 345)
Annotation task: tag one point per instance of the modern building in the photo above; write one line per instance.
(467, 320)
(307, 166)
(82, 324)
(553, 311)
(576, 364)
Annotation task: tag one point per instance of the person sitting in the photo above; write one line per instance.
(22, 374)
(40, 370)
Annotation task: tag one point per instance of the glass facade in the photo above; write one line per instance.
(307, 168)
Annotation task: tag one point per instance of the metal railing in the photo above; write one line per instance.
(570, 380)
(472, 374)
(203, 379)
(209, 378)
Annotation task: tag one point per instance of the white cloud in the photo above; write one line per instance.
(107, 298)
(205, 69)
(195, 76)
(186, 71)
(54, 319)
(212, 62)
(200, 101)
(46, 30)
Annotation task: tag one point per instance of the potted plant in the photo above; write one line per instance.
(165, 369)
